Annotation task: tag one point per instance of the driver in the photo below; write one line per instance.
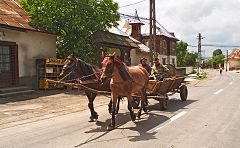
(159, 70)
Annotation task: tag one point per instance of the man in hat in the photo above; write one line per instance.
(158, 70)
(143, 63)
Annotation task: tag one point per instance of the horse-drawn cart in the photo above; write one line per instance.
(161, 90)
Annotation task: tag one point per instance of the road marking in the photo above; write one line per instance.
(217, 92)
(231, 83)
(175, 117)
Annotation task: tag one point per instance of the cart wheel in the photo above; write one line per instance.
(183, 92)
(163, 105)
(136, 102)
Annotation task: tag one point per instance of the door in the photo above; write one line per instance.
(8, 67)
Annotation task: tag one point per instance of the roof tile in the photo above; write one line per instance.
(12, 14)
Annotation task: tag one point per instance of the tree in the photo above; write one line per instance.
(217, 52)
(73, 21)
(217, 58)
(185, 58)
(190, 58)
(180, 52)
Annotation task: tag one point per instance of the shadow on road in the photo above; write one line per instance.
(142, 127)
(174, 105)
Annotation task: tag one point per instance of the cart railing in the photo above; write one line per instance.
(167, 85)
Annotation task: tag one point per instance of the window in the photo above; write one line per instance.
(4, 58)
(164, 61)
(173, 46)
(164, 44)
(173, 61)
(134, 28)
(161, 44)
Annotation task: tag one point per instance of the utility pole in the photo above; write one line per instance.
(152, 31)
(199, 52)
(227, 61)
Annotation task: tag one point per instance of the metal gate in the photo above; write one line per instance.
(8, 65)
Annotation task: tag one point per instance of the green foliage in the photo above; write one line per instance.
(217, 58)
(185, 58)
(217, 52)
(73, 21)
(190, 58)
(202, 76)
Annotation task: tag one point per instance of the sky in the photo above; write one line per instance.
(217, 20)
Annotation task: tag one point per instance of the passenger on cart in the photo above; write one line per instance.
(143, 63)
(159, 71)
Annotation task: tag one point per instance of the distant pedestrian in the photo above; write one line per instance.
(220, 70)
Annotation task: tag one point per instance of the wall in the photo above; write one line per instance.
(31, 46)
(184, 70)
(136, 55)
(234, 64)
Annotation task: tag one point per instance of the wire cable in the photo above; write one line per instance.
(132, 4)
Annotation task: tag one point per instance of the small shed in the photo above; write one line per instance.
(111, 40)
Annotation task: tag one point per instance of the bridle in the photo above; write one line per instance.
(73, 66)
(108, 69)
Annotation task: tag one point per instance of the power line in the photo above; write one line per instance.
(132, 4)
(132, 16)
(216, 45)
(192, 45)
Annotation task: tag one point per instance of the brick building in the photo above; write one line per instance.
(165, 41)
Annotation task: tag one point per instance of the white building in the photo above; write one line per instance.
(20, 46)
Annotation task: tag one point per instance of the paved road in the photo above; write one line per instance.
(210, 118)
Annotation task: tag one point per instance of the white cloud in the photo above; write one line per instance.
(217, 20)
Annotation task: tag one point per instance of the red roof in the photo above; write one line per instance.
(11, 14)
(235, 54)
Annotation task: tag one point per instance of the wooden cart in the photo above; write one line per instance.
(161, 90)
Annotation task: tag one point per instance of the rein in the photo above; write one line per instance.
(81, 78)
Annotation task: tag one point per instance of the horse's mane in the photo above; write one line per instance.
(87, 69)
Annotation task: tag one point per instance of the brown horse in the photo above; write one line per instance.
(134, 82)
(76, 69)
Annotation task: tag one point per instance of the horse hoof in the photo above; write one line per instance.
(91, 119)
(139, 115)
(133, 117)
(95, 116)
(145, 109)
(110, 127)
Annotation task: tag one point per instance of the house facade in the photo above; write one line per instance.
(232, 62)
(20, 46)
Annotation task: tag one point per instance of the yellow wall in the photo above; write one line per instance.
(234, 64)
(31, 46)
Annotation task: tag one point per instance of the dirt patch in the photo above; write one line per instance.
(41, 103)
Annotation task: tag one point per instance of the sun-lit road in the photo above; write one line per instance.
(210, 118)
